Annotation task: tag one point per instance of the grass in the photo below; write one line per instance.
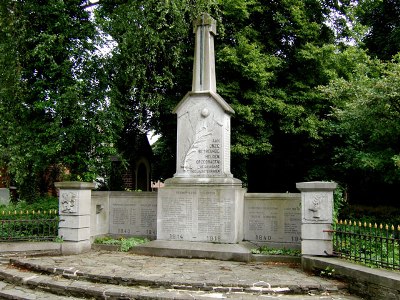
(271, 251)
(125, 244)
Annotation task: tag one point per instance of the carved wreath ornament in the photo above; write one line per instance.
(69, 202)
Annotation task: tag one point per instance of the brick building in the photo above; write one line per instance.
(135, 173)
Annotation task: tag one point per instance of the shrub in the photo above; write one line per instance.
(125, 244)
(378, 214)
(43, 204)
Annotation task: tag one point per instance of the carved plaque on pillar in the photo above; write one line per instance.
(69, 202)
(317, 207)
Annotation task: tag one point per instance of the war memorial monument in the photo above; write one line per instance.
(202, 202)
(203, 211)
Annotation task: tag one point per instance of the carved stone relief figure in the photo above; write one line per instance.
(69, 202)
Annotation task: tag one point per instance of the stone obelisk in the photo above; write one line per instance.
(202, 202)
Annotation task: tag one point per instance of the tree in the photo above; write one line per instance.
(149, 66)
(382, 19)
(271, 58)
(53, 109)
(66, 103)
(265, 70)
(366, 117)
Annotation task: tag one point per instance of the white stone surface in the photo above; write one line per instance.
(74, 221)
(201, 214)
(74, 234)
(29, 246)
(272, 219)
(316, 247)
(75, 202)
(75, 185)
(203, 202)
(203, 136)
(68, 248)
(100, 214)
(203, 130)
(204, 28)
(316, 231)
(316, 186)
(317, 216)
(75, 206)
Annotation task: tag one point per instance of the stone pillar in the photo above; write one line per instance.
(74, 207)
(317, 217)
(205, 27)
(4, 196)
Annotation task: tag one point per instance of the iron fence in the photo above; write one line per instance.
(28, 225)
(369, 244)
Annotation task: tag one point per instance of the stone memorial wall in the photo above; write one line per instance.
(273, 219)
(124, 214)
(198, 214)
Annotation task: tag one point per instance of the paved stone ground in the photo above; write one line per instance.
(149, 277)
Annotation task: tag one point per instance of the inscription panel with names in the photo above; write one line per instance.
(272, 220)
(134, 216)
(196, 214)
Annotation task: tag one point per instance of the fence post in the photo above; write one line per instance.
(74, 207)
(316, 217)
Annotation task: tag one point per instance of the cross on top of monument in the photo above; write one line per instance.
(205, 27)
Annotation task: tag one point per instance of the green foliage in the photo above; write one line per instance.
(58, 240)
(308, 104)
(370, 244)
(33, 222)
(339, 202)
(272, 251)
(51, 98)
(125, 244)
(367, 113)
(263, 52)
(163, 150)
(44, 203)
(147, 65)
(382, 19)
(376, 214)
(327, 272)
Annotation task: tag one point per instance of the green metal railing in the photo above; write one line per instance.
(28, 225)
(369, 244)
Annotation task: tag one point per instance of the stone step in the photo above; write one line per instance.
(20, 280)
(260, 287)
(16, 292)
(70, 284)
